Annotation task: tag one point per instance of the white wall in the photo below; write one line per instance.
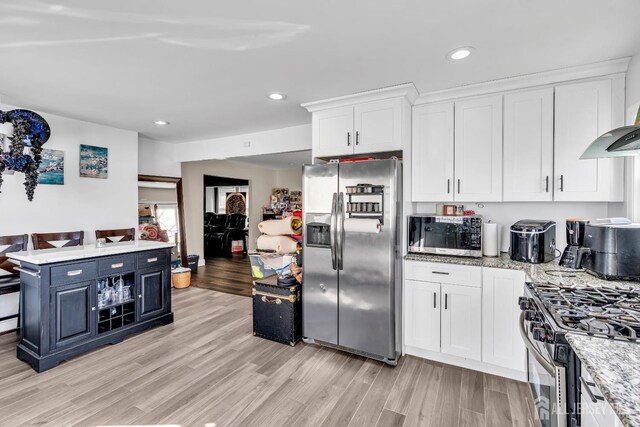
(633, 164)
(157, 158)
(507, 213)
(289, 178)
(81, 203)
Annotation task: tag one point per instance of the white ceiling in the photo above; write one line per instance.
(206, 66)
(290, 160)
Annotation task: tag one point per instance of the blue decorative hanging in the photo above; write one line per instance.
(30, 132)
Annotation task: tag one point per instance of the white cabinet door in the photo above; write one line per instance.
(333, 132)
(461, 320)
(378, 126)
(583, 112)
(432, 153)
(501, 341)
(478, 150)
(528, 146)
(422, 315)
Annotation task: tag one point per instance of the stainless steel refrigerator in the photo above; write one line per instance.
(351, 295)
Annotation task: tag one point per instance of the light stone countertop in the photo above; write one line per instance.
(615, 368)
(549, 272)
(73, 253)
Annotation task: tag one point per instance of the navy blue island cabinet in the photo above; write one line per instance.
(73, 300)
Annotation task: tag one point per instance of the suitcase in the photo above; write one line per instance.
(277, 311)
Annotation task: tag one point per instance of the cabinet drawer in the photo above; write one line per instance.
(116, 265)
(444, 273)
(73, 273)
(152, 259)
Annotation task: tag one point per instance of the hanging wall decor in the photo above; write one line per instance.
(51, 169)
(22, 149)
(94, 161)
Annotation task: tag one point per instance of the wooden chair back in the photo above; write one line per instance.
(128, 235)
(42, 240)
(15, 244)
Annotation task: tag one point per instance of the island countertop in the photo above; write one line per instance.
(73, 253)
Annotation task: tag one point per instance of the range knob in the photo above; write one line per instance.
(539, 334)
(534, 325)
(531, 315)
(525, 303)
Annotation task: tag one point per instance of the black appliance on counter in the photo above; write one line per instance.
(446, 235)
(575, 251)
(613, 251)
(549, 312)
(533, 241)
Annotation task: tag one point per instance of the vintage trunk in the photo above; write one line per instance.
(277, 311)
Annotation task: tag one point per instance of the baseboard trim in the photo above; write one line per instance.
(476, 365)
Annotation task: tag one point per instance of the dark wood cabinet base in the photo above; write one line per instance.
(42, 363)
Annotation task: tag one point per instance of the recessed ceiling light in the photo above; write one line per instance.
(162, 122)
(275, 96)
(460, 53)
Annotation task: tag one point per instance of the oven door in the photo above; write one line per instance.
(547, 382)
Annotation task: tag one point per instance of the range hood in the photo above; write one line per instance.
(620, 142)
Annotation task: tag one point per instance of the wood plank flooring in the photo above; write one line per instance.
(230, 275)
(208, 369)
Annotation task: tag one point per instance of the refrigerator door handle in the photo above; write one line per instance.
(340, 231)
(333, 230)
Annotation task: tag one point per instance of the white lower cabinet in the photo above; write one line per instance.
(422, 314)
(502, 344)
(443, 317)
(461, 317)
(466, 316)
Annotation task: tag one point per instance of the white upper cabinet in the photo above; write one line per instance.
(432, 153)
(478, 150)
(582, 113)
(378, 126)
(367, 122)
(528, 146)
(333, 132)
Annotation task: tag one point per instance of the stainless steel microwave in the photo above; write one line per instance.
(446, 235)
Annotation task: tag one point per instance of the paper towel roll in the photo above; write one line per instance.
(362, 225)
(490, 239)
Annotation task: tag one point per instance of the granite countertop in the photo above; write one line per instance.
(615, 368)
(549, 272)
(72, 253)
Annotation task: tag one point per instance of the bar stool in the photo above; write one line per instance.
(127, 234)
(9, 277)
(43, 240)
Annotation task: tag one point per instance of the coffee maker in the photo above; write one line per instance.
(575, 250)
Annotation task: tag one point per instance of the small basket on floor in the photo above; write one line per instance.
(181, 277)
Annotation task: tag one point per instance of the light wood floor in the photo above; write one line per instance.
(231, 275)
(207, 369)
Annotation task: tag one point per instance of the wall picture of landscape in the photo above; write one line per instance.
(51, 170)
(94, 161)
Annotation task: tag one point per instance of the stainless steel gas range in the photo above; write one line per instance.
(549, 312)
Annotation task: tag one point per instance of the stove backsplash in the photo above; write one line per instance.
(506, 213)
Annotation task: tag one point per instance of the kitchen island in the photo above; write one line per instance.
(76, 299)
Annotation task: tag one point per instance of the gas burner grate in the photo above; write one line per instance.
(612, 312)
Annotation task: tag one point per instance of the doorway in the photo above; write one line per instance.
(225, 230)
